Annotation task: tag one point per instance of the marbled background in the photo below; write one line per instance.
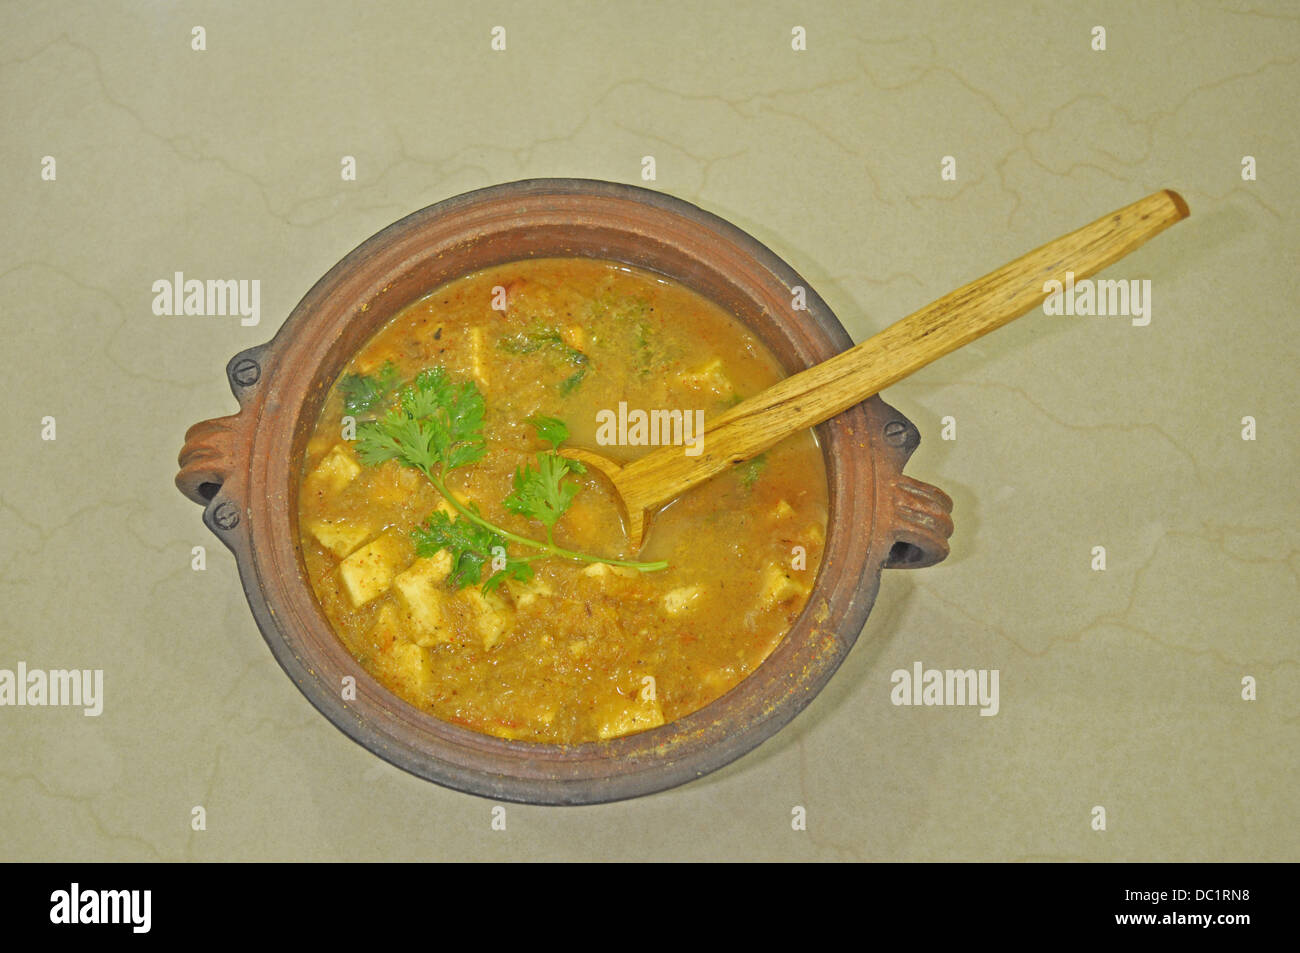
(1119, 688)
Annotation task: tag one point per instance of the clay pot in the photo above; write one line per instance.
(244, 470)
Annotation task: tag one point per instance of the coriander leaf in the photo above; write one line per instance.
(539, 338)
(570, 383)
(750, 471)
(619, 307)
(550, 429)
(472, 547)
(438, 424)
(534, 339)
(362, 392)
(543, 494)
(469, 544)
(395, 437)
(520, 570)
(452, 412)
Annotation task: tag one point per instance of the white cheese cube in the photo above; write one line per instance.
(709, 378)
(529, 592)
(370, 570)
(413, 665)
(628, 716)
(779, 586)
(419, 589)
(677, 601)
(491, 615)
(339, 536)
(336, 471)
(605, 570)
(478, 355)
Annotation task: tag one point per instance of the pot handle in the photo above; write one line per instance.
(922, 524)
(214, 459)
(920, 514)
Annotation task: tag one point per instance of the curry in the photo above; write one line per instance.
(482, 576)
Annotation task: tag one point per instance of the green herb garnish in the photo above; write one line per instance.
(619, 307)
(651, 350)
(534, 339)
(472, 547)
(540, 338)
(543, 494)
(570, 383)
(436, 427)
(550, 429)
(750, 471)
(362, 392)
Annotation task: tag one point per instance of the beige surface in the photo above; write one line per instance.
(1118, 688)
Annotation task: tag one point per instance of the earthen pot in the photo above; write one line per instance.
(244, 471)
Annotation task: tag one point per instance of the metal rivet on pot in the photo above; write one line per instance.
(896, 433)
(246, 372)
(226, 515)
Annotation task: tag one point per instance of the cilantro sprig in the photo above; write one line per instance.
(437, 427)
(550, 429)
(541, 338)
(362, 392)
(472, 547)
(543, 494)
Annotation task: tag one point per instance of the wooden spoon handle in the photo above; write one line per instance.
(822, 391)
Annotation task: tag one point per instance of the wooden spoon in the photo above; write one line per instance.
(822, 391)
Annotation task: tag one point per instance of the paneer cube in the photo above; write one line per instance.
(432, 570)
(478, 355)
(387, 628)
(779, 586)
(370, 570)
(526, 593)
(336, 471)
(627, 716)
(575, 335)
(710, 378)
(605, 571)
(683, 599)
(491, 616)
(340, 536)
(412, 665)
(419, 589)
(320, 444)
(397, 659)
